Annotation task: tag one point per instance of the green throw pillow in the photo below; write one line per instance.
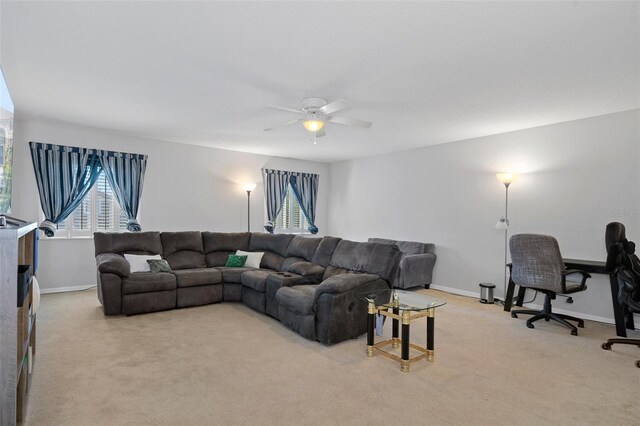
(158, 265)
(235, 261)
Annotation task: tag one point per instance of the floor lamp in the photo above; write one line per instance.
(503, 223)
(249, 187)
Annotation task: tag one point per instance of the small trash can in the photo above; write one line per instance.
(486, 293)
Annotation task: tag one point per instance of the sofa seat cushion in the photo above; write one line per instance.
(195, 277)
(232, 275)
(298, 299)
(147, 282)
(257, 279)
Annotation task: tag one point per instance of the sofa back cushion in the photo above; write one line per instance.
(127, 242)
(183, 250)
(276, 243)
(303, 247)
(407, 247)
(225, 241)
(372, 258)
(219, 245)
(323, 253)
(274, 247)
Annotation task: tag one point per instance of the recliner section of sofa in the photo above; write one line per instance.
(122, 292)
(312, 285)
(274, 247)
(333, 310)
(196, 284)
(416, 264)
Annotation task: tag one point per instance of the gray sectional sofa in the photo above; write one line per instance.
(312, 285)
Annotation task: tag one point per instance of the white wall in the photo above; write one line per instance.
(186, 188)
(575, 178)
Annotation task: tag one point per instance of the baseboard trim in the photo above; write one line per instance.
(457, 291)
(527, 305)
(66, 289)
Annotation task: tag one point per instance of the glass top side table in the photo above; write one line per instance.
(402, 307)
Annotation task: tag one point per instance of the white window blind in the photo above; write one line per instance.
(291, 219)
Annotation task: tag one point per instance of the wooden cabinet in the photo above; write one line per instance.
(17, 324)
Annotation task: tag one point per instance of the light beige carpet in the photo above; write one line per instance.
(226, 364)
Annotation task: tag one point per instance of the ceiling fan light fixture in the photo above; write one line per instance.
(313, 123)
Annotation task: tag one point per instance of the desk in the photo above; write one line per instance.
(593, 267)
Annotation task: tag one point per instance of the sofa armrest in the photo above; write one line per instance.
(343, 283)
(112, 263)
(307, 270)
(415, 270)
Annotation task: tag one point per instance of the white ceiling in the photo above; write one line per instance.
(423, 72)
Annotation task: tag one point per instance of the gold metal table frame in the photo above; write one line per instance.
(401, 313)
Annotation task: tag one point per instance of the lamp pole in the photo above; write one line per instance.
(249, 187)
(248, 210)
(506, 239)
(503, 223)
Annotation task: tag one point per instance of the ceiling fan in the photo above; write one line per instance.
(317, 112)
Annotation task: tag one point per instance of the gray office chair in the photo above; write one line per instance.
(537, 264)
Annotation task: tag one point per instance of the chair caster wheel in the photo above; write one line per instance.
(514, 315)
(606, 346)
(547, 319)
(530, 325)
(574, 332)
(638, 363)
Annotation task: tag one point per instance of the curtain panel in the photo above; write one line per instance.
(275, 189)
(125, 173)
(305, 189)
(65, 175)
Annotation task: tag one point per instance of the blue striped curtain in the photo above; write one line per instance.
(305, 189)
(125, 173)
(64, 175)
(275, 189)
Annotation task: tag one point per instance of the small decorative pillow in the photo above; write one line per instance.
(235, 261)
(253, 258)
(159, 265)
(138, 262)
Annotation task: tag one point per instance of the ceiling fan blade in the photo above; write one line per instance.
(350, 121)
(288, 123)
(335, 106)
(320, 133)
(284, 108)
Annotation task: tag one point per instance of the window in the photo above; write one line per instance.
(291, 219)
(98, 211)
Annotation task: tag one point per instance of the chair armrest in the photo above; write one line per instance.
(343, 283)
(567, 272)
(113, 263)
(415, 270)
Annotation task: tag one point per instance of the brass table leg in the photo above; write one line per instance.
(395, 341)
(371, 317)
(430, 334)
(404, 362)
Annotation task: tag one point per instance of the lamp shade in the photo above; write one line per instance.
(313, 124)
(249, 186)
(503, 224)
(506, 178)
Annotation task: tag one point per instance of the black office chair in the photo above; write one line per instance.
(623, 264)
(537, 264)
